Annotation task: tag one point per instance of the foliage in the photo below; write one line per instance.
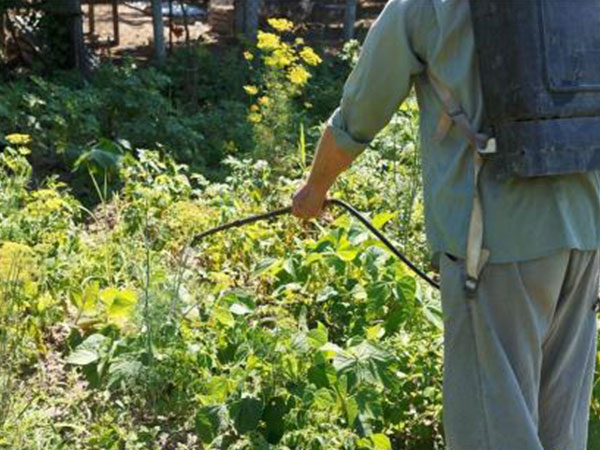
(276, 337)
(116, 333)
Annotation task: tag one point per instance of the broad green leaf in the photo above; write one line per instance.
(239, 309)
(351, 409)
(89, 298)
(125, 370)
(324, 399)
(246, 414)
(223, 316)
(382, 218)
(330, 350)
(381, 442)
(122, 306)
(239, 296)
(347, 253)
(108, 295)
(406, 289)
(268, 266)
(210, 420)
(83, 357)
(317, 337)
(273, 417)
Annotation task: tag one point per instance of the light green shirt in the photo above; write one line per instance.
(524, 218)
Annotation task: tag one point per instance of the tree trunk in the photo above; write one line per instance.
(350, 19)
(252, 16)
(160, 51)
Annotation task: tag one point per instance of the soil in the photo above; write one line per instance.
(135, 29)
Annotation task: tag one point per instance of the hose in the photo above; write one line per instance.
(350, 209)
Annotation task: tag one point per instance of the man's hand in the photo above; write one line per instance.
(308, 202)
(330, 160)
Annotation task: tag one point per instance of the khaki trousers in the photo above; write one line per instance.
(520, 355)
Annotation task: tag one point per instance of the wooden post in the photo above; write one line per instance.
(160, 52)
(2, 35)
(252, 16)
(92, 19)
(240, 16)
(68, 14)
(350, 19)
(115, 14)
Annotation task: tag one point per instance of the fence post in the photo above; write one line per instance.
(350, 19)
(69, 15)
(160, 51)
(252, 16)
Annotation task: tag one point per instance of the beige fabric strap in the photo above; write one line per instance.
(477, 256)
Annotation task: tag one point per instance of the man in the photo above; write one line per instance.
(520, 352)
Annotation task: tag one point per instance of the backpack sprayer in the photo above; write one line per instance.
(288, 210)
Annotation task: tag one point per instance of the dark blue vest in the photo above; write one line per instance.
(540, 71)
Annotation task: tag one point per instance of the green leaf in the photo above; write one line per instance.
(89, 298)
(382, 218)
(268, 266)
(347, 254)
(82, 357)
(362, 363)
(122, 304)
(318, 337)
(273, 417)
(210, 420)
(223, 316)
(246, 414)
(381, 442)
(239, 309)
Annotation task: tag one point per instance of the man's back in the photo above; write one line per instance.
(412, 37)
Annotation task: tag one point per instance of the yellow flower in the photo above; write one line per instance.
(265, 101)
(248, 56)
(298, 75)
(309, 55)
(281, 25)
(254, 117)
(281, 57)
(18, 139)
(299, 41)
(268, 41)
(251, 90)
(254, 108)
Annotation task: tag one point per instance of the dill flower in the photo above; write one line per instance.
(281, 25)
(251, 89)
(268, 41)
(298, 75)
(309, 55)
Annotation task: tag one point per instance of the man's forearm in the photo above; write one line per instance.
(330, 161)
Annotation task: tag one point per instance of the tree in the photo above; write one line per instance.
(160, 51)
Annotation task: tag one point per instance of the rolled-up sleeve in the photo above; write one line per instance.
(380, 81)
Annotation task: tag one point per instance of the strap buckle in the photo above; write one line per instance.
(471, 287)
(491, 147)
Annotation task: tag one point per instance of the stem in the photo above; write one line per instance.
(147, 291)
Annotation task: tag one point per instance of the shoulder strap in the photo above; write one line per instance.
(477, 256)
